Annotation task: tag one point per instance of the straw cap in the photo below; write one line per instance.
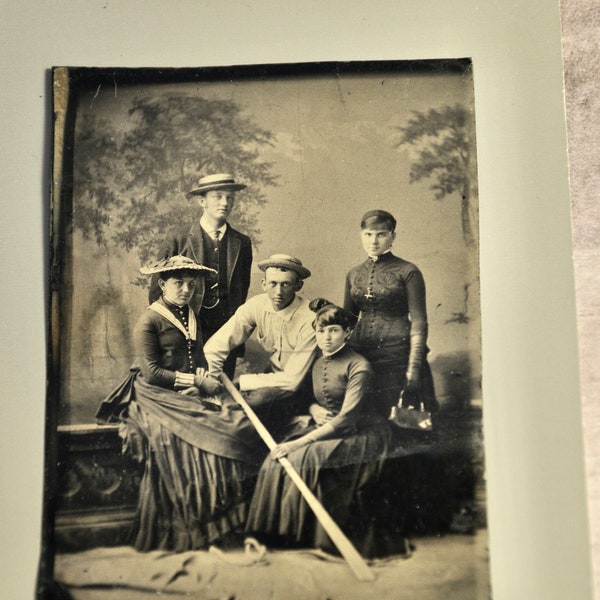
(285, 261)
(219, 181)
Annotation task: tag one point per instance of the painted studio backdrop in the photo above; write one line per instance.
(317, 146)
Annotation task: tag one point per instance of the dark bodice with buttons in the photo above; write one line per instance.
(380, 293)
(388, 295)
(340, 384)
(162, 349)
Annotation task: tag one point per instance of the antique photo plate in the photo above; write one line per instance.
(318, 145)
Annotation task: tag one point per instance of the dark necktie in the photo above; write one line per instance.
(216, 237)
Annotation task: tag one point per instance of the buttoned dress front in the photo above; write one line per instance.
(388, 297)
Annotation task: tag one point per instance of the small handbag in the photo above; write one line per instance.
(410, 417)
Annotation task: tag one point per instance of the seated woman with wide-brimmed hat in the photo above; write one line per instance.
(199, 450)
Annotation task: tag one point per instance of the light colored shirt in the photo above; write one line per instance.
(286, 335)
(211, 230)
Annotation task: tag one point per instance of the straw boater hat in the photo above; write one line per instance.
(285, 261)
(220, 181)
(176, 263)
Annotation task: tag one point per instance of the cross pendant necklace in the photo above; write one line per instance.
(369, 294)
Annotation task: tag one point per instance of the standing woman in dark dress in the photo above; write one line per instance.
(199, 452)
(387, 294)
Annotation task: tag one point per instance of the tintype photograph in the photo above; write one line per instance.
(265, 334)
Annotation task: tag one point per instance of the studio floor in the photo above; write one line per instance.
(454, 566)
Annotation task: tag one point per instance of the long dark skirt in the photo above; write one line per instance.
(409, 478)
(344, 474)
(199, 467)
(189, 498)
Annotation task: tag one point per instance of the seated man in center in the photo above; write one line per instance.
(283, 324)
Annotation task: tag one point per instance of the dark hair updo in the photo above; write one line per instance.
(378, 219)
(328, 313)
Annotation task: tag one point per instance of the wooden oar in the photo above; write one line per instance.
(342, 543)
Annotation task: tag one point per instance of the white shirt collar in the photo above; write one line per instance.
(209, 229)
(285, 313)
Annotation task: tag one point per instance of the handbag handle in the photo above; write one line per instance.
(421, 405)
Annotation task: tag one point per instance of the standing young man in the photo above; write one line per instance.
(211, 241)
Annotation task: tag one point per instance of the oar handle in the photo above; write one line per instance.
(342, 543)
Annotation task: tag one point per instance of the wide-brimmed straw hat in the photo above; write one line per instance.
(285, 261)
(219, 181)
(176, 263)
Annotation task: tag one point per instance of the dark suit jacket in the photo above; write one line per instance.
(239, 263)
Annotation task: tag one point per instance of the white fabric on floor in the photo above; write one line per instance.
(450, 567)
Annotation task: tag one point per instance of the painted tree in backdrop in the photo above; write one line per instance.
(131, 179)
(444, 142)
(134, 159)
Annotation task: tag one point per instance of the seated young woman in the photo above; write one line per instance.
(200, 452)
(339, 455)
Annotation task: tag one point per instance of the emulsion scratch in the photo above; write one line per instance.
(115, 84)
(339, 89)
(96, 94)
